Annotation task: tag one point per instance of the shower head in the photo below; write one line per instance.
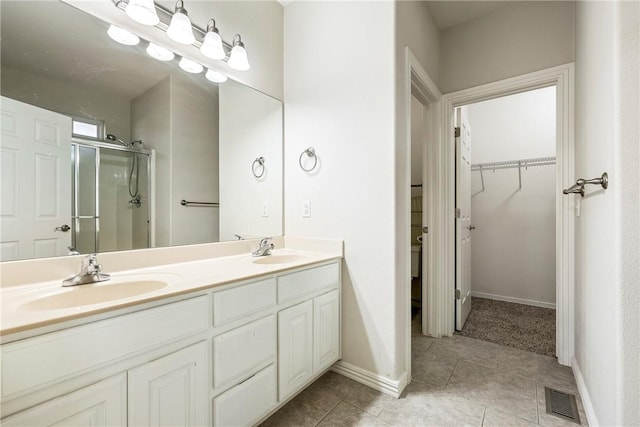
(112, 137)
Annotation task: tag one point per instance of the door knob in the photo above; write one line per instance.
(63, 227)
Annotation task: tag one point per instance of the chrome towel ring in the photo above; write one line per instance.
(310, 152)
(258, 163)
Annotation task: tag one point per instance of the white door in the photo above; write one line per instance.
(326, 330)
(463, 218)
(172, 390)
(35, 165)
(100, 404)
(295, 348)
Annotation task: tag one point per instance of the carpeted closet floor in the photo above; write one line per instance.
(519, 326)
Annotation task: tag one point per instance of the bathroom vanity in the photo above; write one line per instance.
(221, 341)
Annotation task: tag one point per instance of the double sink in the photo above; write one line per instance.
(128, 286)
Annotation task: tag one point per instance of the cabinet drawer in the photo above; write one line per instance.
(243, 300)
(306, 282)
(242, 350)
(46, 359)
(245, 403)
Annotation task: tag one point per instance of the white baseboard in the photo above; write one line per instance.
(584, 394)
(512, 299)
(385, 385)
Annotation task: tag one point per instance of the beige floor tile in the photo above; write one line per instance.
(431, 368)
(545, 419)
(544, 369)
(346, 415)
(428, 405)
(496, 418)
(354, 393)
(306, 409)
(466, 349)
(495, 389)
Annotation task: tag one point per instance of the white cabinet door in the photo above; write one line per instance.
(170, 391)
(295, 348)
(326, 330)
(100, 404)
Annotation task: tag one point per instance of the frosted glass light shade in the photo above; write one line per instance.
(159, 52)
(215, 76)
(238, 58)
(212, 46)
(190, 66)
(142, 11)
(180, 28)
(123, 36)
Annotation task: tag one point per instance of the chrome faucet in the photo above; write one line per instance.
(265, 247)
(89, 273)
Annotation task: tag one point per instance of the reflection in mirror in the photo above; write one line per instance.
(100, 144)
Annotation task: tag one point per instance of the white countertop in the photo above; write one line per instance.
(21, 310)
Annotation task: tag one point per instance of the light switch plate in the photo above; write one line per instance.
(306, 209)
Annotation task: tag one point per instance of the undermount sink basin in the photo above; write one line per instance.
(81, 295)
(279, 259)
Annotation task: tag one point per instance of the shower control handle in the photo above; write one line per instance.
(63, 228)
(471, 227)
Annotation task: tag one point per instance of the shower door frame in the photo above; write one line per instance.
(76, 142)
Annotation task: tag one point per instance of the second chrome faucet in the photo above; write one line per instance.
(265, 247)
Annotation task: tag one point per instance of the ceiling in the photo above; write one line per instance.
(66, 44)
(449, 13)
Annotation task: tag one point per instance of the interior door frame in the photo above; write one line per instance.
(562, 77)
(418, 83)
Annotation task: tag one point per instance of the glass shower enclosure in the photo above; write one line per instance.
(111, 190)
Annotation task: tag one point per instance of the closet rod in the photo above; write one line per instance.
(512, 164)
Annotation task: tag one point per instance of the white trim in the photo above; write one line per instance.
(534, 303)
(443, 302)
(383, 384)
(417, 81)
(584, 394)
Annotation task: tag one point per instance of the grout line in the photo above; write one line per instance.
(484, 414)
(451, 374)
(328, 412)
(538, 404)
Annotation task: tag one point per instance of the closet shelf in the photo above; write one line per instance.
(511, 164)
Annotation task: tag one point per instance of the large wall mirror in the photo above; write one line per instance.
(104, 148)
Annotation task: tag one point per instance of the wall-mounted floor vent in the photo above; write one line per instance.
(561, 405)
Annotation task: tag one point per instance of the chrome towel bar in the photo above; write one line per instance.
(212, 204)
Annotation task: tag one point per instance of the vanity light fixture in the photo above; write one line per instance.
(190, 66)
(212, 43)
(238, 56)
(143, 12)
(123, 36)
(180, 29)
(159, 52)
(215, 76)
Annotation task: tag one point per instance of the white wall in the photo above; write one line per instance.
(339, 98)
(250, 127)
(194, 161)
(607, 234)
(67, 98)
(513, 245)
(512, 40)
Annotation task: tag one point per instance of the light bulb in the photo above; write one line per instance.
(123, 36)
(180, 27)
(215, 76)
(212, 43)
(190, 66)
(159, 52)
(238, 57)
(142, 11)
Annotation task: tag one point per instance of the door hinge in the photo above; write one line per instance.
(458, 213)
(425, 230)
(457, 293)
(456, 132)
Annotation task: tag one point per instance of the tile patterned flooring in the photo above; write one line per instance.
(457, 381)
